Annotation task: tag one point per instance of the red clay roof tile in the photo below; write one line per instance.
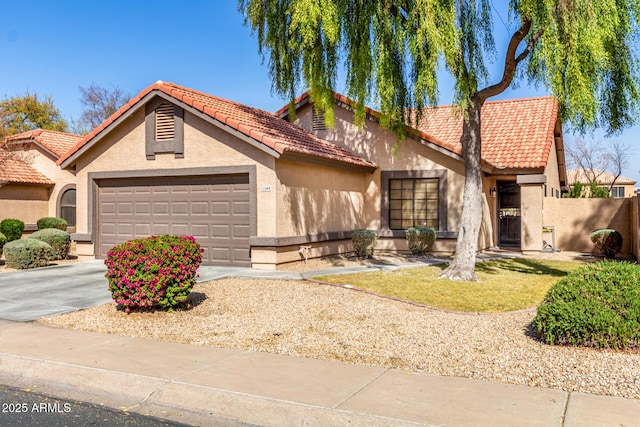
(19, 172)
(262, 126)
(56, 142)
(515, 133)
(602, 177)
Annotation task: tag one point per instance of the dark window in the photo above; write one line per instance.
(617, 192)
(413, 202)
(68, 207)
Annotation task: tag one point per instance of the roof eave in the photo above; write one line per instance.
(326, 161)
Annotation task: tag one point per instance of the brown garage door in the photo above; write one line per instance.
(213, 209)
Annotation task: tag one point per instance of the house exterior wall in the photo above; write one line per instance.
(206, 147)
(63, 179)
(574, 220)
(551, 172)
(28, 203)
(628, 189)
(390, 154)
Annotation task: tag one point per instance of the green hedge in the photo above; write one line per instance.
(52, 222)
(420, 240)
(597, 305)
(157, 271)
(60, 241)
(27, 253)
(363, 241)
(12, 228)
(3, 240)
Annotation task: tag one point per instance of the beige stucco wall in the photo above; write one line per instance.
(531, 206)
(205, 145)
(575, 219)
(551, 172)
(28, 203)
(46, 165)
(384, 148)
(315, 199)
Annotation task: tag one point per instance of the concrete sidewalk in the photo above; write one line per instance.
(210, 386)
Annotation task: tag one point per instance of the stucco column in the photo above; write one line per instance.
(531, 209)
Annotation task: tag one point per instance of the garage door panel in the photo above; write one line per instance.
(159, 228)
(160, 208)
(213, 209)
(179, 208)
(200, 208)
(125, 208)
(143, 229)
(220, 208)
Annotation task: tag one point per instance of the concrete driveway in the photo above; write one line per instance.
(31, 294)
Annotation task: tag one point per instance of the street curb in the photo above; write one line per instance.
(172, 399)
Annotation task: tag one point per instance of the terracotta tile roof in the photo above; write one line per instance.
(602, 177)
(261, 126)
(56, 142)
(17, 171)
(515, 133)
(417, 133)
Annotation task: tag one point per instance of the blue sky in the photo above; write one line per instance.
(54, 47)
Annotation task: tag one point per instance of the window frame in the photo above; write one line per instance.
(61, 195)
(385, 210)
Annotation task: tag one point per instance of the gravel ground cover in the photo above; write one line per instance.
(327, 322)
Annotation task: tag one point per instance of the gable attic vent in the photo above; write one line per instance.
(165, 129)
(317, 120)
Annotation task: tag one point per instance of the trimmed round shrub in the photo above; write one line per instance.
(3, 240)
(597, 305)
(153, 272)
(27, 253)
(420, 240)
(608, 241)
(363, 241)
(60, 241)
(52, 222)
(12, 228)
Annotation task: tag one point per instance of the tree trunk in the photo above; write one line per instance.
(463, 265)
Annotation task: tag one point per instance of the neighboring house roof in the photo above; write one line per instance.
(261, 127)
(516, 134)
(602, 177)
(18, 172)
(57, 143)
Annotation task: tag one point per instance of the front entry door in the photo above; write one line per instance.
(508, 214)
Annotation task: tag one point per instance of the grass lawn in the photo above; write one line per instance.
(503, 285)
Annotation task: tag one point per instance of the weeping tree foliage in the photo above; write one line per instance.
(582, 51)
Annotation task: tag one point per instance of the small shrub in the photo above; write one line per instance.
(11, 228)
(52, 222)
(3, 240)
(60, 241)
(420, 240)
(154, 272)
(608, 241)
(363, 241)
(597, 305)
(27, 253)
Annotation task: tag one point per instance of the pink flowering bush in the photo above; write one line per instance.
(154, 272)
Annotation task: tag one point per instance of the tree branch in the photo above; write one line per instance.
(511, 60)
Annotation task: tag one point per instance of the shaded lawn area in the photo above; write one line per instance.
(503, 285)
